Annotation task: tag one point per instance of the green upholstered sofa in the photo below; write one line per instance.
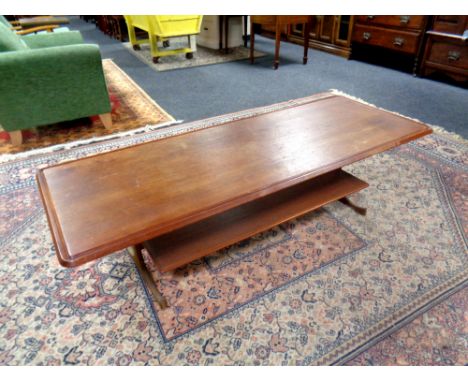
(49, 78)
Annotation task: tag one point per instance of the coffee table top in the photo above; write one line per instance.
(103, 203)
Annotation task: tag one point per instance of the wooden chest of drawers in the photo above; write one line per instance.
(398, 40)
(400, 22)
(450, 24)
(446, 49)
(447, 53)
(403, 34)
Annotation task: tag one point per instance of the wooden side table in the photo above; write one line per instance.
(279, 21)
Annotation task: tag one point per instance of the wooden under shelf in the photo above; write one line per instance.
(197, 240)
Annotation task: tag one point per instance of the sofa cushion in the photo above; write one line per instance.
(9, 40)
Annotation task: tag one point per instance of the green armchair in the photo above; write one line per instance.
(49, 78)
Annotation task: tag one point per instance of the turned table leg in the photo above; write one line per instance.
(360, 210)
(137, 256)
(277, 44)
(306, 41)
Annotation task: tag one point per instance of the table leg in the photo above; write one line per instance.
(148, 279)
(252, 42)
(277, 45)
(245, 18)
(360, 210)
(306, 41)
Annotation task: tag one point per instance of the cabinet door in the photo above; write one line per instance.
(298, 29)
(315, 25)
(343, 30)
(327, 28)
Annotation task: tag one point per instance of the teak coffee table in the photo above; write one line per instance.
(189, 195)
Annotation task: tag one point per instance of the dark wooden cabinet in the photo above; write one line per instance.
(328, 33)
(397, 34)
(446, 48)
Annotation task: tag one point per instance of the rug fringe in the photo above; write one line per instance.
(437, 129)
(65, 146)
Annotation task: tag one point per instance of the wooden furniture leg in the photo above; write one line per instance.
(277, 44)
(226, 33)
(106, 120)
(245, 18)
(306, 40)
(137, 256)
(360, 210)
(16, 137)
(252, 42)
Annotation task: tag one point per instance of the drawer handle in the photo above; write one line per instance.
(453, 55)
(404, 19)
(370, 17)
(366, 36)
(398, 41)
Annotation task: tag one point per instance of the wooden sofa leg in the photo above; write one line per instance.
(16, 137)
(106, 120)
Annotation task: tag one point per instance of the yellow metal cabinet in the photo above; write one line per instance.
(162, 28)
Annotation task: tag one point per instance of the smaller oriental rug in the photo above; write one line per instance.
(131, 108)
(203, 56)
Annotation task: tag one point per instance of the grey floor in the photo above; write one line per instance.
(206, 91)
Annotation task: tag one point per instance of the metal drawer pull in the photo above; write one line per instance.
(404, 19)
(398, 41)
(370, 17)
(453, 55)
(366, 36)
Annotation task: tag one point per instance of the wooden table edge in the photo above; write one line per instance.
(67, 260)
(57, 235)
(320, 97)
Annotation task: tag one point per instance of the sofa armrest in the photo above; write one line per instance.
(48, 40)
(43, 86)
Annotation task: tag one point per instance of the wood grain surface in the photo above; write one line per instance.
(197, 240)
(107, 202)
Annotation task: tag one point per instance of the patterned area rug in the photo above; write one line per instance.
(203, 56)
(318, 290)
(438, 337)
(131, 108)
